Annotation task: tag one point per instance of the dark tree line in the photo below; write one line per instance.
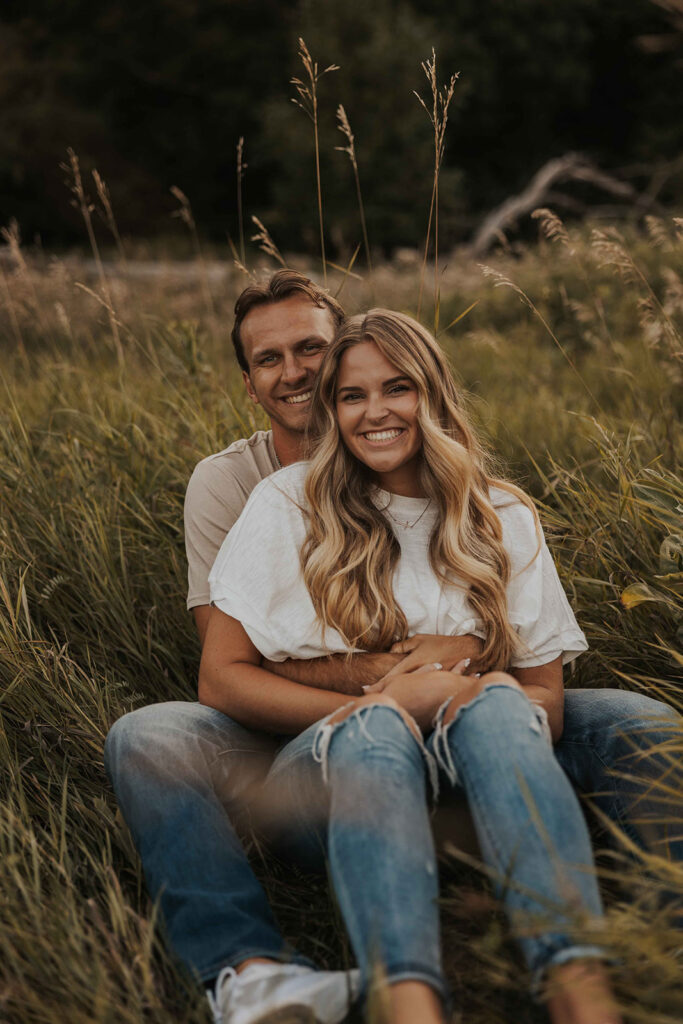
(157, 93)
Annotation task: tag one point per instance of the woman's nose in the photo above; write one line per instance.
(376, 408)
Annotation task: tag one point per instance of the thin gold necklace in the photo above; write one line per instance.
(401, 522)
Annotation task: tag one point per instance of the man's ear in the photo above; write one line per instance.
(250, 387)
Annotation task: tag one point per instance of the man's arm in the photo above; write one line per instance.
(349, 675)
(232, 680)
(339, 673)
(543, 684)
(201, 620)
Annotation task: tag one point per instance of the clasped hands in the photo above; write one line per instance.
(442, 664)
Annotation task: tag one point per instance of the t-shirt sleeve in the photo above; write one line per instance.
(256, 577)
(537, 604)
(210, 513)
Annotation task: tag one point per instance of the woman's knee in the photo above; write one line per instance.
(489, 686)
(371, 732)
(380, 700)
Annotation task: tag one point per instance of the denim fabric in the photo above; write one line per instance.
(183, 774)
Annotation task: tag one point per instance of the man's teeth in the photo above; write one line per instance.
(382, 435)
(295, 399)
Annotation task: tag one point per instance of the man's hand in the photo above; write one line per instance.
(425, 649)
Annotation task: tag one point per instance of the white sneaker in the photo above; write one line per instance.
(287, 993)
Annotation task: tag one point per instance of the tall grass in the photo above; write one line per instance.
(113, 385)
(96, 447)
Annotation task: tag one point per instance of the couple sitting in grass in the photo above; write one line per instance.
(382, 629)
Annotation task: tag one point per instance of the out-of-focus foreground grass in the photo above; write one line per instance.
(104, 413)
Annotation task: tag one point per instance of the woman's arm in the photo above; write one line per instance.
(232, 681)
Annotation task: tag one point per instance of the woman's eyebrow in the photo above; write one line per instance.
(385, 384)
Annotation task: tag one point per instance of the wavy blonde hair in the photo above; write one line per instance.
(350, 552)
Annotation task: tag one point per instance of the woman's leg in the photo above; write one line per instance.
(357, 789)
(530, 827)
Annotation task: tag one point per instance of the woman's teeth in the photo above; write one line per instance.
(382, 435)
(296, 399)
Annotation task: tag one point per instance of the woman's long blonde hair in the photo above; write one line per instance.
(350, 552)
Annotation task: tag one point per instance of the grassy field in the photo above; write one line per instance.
(112, 387)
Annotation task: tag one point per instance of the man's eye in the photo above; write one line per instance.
(266, 360)
(313, 347)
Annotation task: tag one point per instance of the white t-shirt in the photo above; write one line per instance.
(257, 578)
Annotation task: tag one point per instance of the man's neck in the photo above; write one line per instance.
(289, 447)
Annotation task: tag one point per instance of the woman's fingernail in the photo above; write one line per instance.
(467, 661)
(438, 666)
(477, 675)
(365, 688)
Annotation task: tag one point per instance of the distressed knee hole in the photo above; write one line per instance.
(361, 713)
(477, 689)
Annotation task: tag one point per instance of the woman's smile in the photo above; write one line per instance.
(383, 438)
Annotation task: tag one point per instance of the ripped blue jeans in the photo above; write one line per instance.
(357, 792)
(183, 774)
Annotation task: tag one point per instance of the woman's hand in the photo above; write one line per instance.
(421, 693)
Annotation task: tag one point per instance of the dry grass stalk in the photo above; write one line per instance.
(552, 227)
(350, 149)
(438, 118)
(184, 213)
(12, 238)
(241, 168)
(107, 214)
(82, 203)
(611, 251)
(307, 91)
(21, 348)
(266, 243)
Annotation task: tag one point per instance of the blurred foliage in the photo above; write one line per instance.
(158, 94)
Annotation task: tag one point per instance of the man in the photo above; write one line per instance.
(181, 770)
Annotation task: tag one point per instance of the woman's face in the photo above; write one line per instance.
(377, 414)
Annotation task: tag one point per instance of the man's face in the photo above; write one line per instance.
(284, 343)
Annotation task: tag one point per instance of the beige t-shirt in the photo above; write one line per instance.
(216, 494)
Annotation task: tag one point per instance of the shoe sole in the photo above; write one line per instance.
(295, 1014)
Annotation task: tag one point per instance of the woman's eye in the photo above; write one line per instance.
(397, 388)
(351, 396)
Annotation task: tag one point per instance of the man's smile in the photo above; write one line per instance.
(297, 399)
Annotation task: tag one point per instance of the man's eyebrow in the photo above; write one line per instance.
(385, 383)
(260, 352)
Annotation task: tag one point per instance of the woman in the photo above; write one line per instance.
(395, 528)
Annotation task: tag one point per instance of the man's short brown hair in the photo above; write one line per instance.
(282, 285)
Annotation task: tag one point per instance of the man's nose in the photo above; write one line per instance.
(293, 370)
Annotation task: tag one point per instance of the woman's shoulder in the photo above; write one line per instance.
(520, 523)
(508, 505)
(282, 489)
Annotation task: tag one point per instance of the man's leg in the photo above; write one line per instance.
(178, 769)
(624, 751)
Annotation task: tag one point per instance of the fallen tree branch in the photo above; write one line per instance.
(571, 167)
